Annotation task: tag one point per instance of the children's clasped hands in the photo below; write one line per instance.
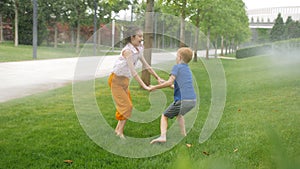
(152, 87)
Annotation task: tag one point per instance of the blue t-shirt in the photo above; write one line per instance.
(183, 85)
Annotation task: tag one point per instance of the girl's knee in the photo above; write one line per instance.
(130, 107)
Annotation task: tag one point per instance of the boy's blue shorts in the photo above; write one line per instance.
(179, 108)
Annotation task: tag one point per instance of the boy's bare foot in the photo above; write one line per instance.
(159, 140)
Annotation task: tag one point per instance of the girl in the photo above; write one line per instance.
(123, 70)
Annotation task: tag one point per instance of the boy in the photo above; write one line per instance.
(184, 94)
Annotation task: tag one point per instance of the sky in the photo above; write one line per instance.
(256, 4)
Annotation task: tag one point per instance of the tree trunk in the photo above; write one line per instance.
(1, 29)
(216, 47)
(148, 37)
(222, 45)
(158, 42)
(196, 40)
(72, 37)
(16, 24)
(99, 38)
(230, 46)
(55, 35)
(182, 30)
(207, 43)
(163, 35)
(182, 26)
(226, 46)
(78, 38)
(233, 46)
(95, 28)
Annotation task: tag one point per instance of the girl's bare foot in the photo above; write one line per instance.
(159, 140)
(121, 135)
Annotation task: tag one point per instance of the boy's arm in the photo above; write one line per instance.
(168, 83)
(128, 55)
(150, 70)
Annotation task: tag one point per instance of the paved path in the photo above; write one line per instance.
(19, 79)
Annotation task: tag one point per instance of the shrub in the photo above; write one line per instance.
(287, 47)
(253, 51)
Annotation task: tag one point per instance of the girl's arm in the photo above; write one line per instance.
(150, 70)
(127, 54)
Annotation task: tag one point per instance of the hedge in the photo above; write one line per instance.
(291, 46)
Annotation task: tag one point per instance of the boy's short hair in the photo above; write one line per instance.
(186, 54)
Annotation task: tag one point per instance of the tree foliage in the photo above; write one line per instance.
(291, 29)
(6, 9)
(277, 32)
(26, 23)
(218, 19)
(222, 21)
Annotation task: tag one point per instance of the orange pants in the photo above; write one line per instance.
(120, 91)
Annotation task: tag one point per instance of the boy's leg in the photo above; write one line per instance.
(181, 122)
(163, 126)
(186, 106)
(163, 130)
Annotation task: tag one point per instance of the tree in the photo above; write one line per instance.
(80, 8)
(53, 12)
(242, 31)
(198, 9)
(24, 27)
(296, 32)
(196, 38)
(209, 17)
(148, 39)
(165, 26)
(277, 31)
(77, 13)
(183, 12)
(232, 26)
(290, 28)
(178, 8)
(106, 9)
(1, 29)
(263, 35)
(6, 10)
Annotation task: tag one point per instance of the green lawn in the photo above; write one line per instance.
(9, 53)
(259, 129)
